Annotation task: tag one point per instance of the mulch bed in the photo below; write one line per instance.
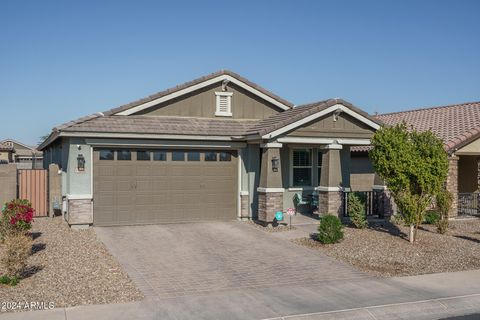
(383, 249)
(69, 268)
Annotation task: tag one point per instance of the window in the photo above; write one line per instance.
(193, 156)
(223, 104)
(319, 165)
(106, 154)
(124, 155)
(143, 155)
(210, 156)
(301, 167)
(159, 156)
(178, 156)
(225, 156)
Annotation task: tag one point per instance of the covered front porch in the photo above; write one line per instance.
(309, 161)
(465, 171)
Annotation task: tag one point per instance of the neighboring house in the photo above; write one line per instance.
(459, 128)
(25, 156)
(6, 153)
(217, 148)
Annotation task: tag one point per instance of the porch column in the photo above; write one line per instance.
(385, 203)
(452, 183)
(330, 191)
(270, 190)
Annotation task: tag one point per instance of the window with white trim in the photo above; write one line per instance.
(223, 104)
(319, 165)
(301, 167)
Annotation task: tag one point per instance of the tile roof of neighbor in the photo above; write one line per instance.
(456, 124)
(4, 147)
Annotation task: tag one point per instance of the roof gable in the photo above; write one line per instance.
(188, 87)
(299, 116)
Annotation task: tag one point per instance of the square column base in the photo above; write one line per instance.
(330, 202)
(269, 203)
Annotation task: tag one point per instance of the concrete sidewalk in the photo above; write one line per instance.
(437, 296)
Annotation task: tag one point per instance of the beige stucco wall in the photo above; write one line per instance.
(8, 177)
(472, 148)
(202, 102)
(362, 175)
(4, 156)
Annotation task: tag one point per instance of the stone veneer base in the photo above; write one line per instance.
(269, 203)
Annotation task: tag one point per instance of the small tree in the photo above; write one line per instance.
(414, 166)
(330, 230)
(444, 201)
(356, 211)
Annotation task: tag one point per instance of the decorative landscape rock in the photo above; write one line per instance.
(70, 268)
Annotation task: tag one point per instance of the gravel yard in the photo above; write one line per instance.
(70, 267)
(385, 251)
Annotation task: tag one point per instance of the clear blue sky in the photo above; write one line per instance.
(60, 60)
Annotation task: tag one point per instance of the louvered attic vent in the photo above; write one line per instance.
(224, 104)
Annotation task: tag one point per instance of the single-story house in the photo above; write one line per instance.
(216, 148)
(458, 126)
(25, 156)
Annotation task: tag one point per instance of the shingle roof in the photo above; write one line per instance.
(456, 125)
(192, 83)
(287, 117)
(163, 125)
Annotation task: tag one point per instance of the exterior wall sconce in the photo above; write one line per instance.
(80, 162)
(275, 163)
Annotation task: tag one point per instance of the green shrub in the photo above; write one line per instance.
(17, 247)
(431, 217)
(330, 229)
(356, 211)
(11, 281)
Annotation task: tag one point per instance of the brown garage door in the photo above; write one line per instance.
(163, 186)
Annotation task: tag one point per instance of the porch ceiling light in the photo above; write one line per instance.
(275, 163)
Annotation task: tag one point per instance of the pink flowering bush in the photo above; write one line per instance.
(16, 216)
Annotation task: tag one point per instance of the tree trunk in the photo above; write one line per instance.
(411, 235)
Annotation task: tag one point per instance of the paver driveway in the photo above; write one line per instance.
(182, 259)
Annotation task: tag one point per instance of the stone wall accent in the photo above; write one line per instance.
(244, 206)
(80, 211)
(330, 202)
(268, 204)
(385, 203)
(8, 177)
(452, 183)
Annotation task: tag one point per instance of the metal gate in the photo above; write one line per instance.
(32, 185)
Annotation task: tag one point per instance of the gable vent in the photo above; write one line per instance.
(223, 104)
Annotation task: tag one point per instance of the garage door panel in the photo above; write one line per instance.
(124, 170)
(143, 192)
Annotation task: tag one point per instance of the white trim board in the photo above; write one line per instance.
(268, 190)
(319, 114)
(200, 85)
(309, 140)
